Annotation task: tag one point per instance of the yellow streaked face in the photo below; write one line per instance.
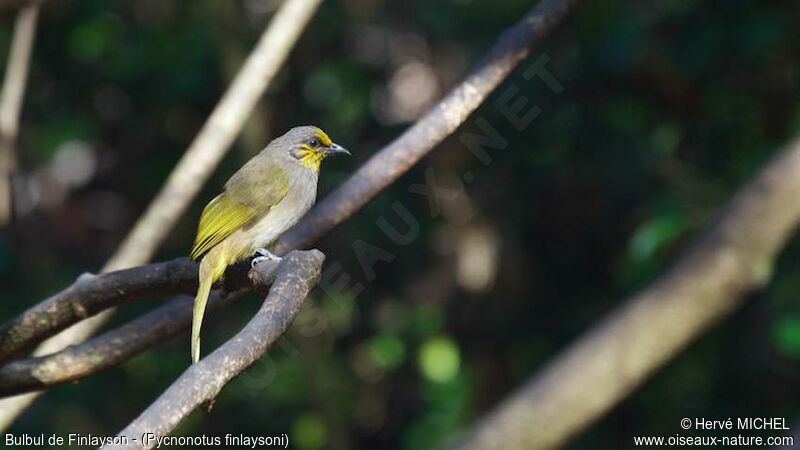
(314, 148)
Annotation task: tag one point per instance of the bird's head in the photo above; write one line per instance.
(310, 145)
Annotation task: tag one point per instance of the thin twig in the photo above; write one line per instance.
(202, 382)
(399, 156)
(733, 258)
(17, 68)
(193, 170)
(119, 345)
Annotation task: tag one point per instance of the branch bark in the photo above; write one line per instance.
(91, 294)
(734, 257)
(125, 342)
(17, 68)
(399, 156)
(203, 155)
(202, 382)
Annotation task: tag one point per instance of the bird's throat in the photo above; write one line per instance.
(311, 158)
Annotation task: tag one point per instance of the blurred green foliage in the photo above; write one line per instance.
(667, 107)
(439, 359)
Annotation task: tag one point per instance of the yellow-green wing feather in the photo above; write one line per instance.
(249, 194)
(220, 218)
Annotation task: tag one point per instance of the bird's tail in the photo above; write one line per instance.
(211, 269)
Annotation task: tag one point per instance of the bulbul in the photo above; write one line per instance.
(264, 198)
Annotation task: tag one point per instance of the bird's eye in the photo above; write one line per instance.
(313, 143)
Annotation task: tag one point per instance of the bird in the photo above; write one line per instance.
(263, 199)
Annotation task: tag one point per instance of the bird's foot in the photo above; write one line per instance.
(264, 255)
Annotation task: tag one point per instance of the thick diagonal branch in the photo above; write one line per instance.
(399, 156)
(734, 257)
(201, 382)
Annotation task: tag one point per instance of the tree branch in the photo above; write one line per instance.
(203, 381)
(121, 344)
(17, 68)
(101, 352)
(733, 258)
(398, 157)
(91, 294)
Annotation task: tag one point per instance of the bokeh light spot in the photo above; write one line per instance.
(786, 334)
(309, 432)
(387, 350)
(439, 359)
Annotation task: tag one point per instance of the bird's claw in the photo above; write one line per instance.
(265, 255)
(258, 260)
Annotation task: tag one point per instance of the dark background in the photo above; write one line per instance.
(666, 108)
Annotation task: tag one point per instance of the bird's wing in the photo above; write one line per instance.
(245, 198)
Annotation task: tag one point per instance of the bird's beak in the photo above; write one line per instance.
(336, 149)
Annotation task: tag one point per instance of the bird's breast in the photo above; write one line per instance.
(285, 214)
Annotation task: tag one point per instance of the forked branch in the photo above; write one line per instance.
(92, 294)
(118, 345)
(202, 382)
